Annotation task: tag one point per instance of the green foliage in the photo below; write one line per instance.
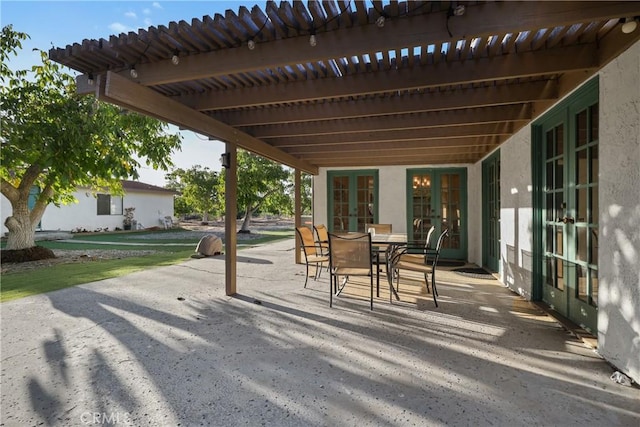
(57, 140)
(262, 184)
(199, 188)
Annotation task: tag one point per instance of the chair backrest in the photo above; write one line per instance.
(427, 243)
(323, 234)
(351, 250)
(306, 239)
(379, 228)
(436, 254)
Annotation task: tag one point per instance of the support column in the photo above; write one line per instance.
(230, 213)
(298, 212)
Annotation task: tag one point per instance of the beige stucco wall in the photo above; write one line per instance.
(619, 243)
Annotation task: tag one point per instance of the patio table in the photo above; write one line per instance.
(390, 241)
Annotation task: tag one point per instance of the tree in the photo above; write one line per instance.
(262, 184)
(57, 140)
(199, 188)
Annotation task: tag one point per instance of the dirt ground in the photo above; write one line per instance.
(64, 256)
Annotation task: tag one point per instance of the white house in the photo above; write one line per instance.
(105, 211)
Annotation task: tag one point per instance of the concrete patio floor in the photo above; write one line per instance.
(166, 347)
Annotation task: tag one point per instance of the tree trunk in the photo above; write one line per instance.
(247, 220)
(21, 229)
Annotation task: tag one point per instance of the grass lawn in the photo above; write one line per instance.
(46, 279)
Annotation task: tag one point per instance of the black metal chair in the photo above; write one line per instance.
(350, 255)
(312, 252)
(402, 259)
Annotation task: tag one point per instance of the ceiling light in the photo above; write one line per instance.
(630, 25)
(312, 40)
(380, 21)
(175, 59)
(251, 44)
(133, 72)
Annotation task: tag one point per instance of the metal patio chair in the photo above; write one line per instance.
(426, 263)
(312, 252)
(350, 255)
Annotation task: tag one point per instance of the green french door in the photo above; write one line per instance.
(491, 212)
(438, 197)
(568, 165)
(353, 199)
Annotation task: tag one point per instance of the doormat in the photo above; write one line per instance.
(474, 272)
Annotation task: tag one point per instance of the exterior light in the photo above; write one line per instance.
(175, 59)
(251, 44)
(629, 25)
(133, 72)
(380, 21)
(312, 40)
(225, 160)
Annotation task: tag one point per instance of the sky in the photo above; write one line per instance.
(60, 23)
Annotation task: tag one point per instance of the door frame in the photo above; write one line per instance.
(486, 214)
(564, 113)
(353, 175)
(462, 252)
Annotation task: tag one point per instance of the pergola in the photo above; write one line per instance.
(355, 83)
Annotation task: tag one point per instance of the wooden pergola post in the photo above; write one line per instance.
(230, 213)
(298, 212)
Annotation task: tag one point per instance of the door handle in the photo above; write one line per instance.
(568, 220)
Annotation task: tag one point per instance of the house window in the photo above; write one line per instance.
(109, 205)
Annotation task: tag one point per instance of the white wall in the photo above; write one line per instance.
(150, 207)
(474, 213)
(516, 213)
(619, 242)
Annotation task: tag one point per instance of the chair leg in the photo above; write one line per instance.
(306, 276)
(371, 280)
(331, 290)
(426, 281)
(433, 287)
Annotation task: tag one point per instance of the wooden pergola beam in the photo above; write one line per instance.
(546, 90)
(398, 122)
(126, 93)
(522, 65)
(480, 20)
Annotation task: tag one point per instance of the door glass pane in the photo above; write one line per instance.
(582, 289)
(581, 205)
(559, 207)
(422, 210)
(365, 202)
(550, 144)
(559, 240)
(450, 209)
(560, 274)
(581, 244)
(593, 161)
(550, 233)
(559, 174)
(340, 203)
(581, 128)
(582, 172)
(549, 182)
(559, 140)
(549, 271)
